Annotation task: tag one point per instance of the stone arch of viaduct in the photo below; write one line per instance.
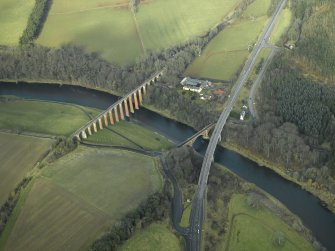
(118, 111)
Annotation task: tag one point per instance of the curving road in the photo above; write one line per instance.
(251, 100)
(197, 213)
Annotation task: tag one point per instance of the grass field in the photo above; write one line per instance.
(133, 135)
(79, 195)
(184, 222)
(283, 23)
(164, 23)
(227, 52)
(42, 117)
(254, 228)
(97, 25)
(13, 19)
(153, 238)
(109, 27)
(18, 154)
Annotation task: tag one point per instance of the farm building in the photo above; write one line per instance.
(197, 89)
(187, 81)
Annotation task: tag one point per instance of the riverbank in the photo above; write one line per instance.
(165, 113)
(326, 198)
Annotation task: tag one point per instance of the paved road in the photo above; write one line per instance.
(197, 213)
(251, 100)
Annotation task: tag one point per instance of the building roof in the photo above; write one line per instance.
(193, 82)
(218, 92)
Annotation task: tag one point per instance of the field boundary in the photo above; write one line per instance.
(138, 30)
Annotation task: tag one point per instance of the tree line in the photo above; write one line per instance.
(36, 21)
(155, 208)
(7, 208)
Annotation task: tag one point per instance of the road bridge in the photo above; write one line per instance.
(203, 132)
(117, 111)
(198, 211)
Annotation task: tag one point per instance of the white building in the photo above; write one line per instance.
(197, 89)
(242, 115)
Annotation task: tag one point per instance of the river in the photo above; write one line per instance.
(315, 216)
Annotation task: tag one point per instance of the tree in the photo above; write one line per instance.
(278, 238)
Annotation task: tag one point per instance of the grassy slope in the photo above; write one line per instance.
(18, 154)
(107, 27)
(164, 23)
(229, 49)
(96, 25)
(155, 237)
(78, 195)
(42, 117)
(13, 19)
(254, 229)
(184, 222)
(283, 23)
(138, 135)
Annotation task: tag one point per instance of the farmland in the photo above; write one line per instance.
(155, 237)
(255, 229)
(42, 117)
(13, 19)
(110, 28)
(226, 53)
(131, 135)
(78, 196)
(18, 155)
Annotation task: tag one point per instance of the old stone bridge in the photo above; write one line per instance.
(123, 107)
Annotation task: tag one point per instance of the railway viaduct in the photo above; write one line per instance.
(118, 111)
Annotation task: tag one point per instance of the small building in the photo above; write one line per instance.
(205, 97)
(197, 89)
(219, 92)
(242, 115)
(187, 81)
(289, 45)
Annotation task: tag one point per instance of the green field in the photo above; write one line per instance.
(153, 238)
(282, 25)
(254, 228)
(13, 19)
(164, 23)
(109, 27)
(227, 52)
(81, 194)
(131, 135)
(184, 222)
(18, 154)
(42, 117)
(97, 25)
